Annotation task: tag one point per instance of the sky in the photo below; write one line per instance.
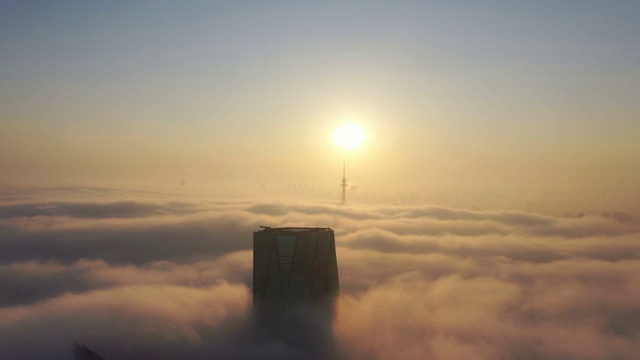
(492, 211)
(455, 96)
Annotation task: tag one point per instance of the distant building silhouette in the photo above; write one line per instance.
(81, 352)
(294, 264)
(622, 217)
(618, 216)
(344, 182)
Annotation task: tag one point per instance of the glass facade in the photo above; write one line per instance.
(292, 264)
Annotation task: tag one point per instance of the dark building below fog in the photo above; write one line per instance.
(81, 352)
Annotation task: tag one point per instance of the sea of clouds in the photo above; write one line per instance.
(145, 275)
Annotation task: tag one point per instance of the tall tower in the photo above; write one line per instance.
(344, 181)
(293, 265)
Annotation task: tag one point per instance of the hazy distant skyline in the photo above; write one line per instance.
(455, 96)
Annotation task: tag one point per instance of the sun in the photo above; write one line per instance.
(349, 136)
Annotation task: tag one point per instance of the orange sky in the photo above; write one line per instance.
(454, 97)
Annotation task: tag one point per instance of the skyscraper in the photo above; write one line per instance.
(295, 285)
(291, 265)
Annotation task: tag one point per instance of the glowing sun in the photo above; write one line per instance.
(349, 136)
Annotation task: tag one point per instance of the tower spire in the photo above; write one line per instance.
(344, 180)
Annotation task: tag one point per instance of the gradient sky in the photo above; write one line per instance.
(455, 96)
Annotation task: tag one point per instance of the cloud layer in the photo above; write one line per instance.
(144, 275)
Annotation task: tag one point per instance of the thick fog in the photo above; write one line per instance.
(142, 275)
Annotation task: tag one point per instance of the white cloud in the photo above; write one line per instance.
(163, 277)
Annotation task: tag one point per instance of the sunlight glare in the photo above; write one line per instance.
(349, 136)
